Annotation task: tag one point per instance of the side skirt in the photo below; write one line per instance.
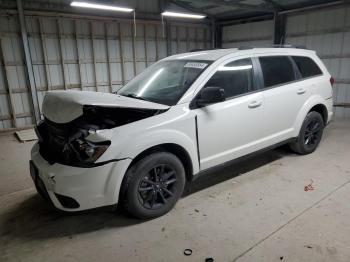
(240, 159)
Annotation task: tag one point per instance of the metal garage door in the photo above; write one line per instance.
(328, 32)
(83, 54)
(249, 34)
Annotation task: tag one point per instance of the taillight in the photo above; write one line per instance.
(332, 80)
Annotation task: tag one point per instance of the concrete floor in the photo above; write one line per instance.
(253, 211)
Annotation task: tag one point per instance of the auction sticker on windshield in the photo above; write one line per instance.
(196, 65)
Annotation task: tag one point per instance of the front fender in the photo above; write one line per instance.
(310, 103)
(133, 147)
(159, 137)
(176, 126)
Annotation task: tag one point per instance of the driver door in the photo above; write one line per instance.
(234, 127)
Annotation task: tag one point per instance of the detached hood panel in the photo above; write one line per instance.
(65, 106)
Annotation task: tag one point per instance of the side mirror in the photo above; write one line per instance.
(210, 95)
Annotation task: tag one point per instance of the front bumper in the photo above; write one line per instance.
(89, 187)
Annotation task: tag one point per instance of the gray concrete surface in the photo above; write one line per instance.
(253, 211)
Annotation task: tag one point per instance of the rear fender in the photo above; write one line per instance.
(310, 103)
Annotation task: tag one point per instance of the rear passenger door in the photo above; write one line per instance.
(284, 96)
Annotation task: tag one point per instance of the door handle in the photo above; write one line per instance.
(255, 104)
(301, 91)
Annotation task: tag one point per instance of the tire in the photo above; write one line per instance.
(152, 186)
(310, 134)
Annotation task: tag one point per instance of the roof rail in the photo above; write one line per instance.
(202, 49)
(273, 46)
(245, 47)
(290, 46)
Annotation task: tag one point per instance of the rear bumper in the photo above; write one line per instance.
(88, 187)
(329, 105)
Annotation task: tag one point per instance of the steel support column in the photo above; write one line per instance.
(279, 29)
(168, 38)
(28, 59)
(217, 36)
(213, 34)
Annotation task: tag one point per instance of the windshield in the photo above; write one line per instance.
(164, 82)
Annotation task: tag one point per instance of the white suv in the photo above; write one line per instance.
(184, 114)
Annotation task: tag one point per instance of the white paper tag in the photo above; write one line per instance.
(196, 65)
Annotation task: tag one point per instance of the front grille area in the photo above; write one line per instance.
(54, 142)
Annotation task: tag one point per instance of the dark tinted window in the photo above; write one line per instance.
(276, 70)
(235, 78)
(307, 66)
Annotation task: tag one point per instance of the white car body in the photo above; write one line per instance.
(252, 122)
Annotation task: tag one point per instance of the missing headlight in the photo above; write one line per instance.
(66, 143)
(88, 152)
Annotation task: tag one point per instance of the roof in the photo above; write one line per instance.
(204, 54)
(215, 54)
(239, 9)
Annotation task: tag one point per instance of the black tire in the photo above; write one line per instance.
(152, 186)
(310, 134)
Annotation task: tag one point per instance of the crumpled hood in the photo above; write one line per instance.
(65, 106)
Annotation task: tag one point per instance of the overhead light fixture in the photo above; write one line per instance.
(183, 15)
(103, 7)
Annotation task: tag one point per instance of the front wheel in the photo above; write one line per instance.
(310, 134)
(153, 185)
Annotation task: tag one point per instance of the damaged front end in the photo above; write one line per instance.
(69, 143)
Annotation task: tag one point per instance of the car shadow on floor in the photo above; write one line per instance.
(232, 170)
(35, 219)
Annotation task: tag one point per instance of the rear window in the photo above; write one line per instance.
(307, 66)
(277, 70)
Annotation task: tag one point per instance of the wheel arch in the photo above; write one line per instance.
(315, 103)
(322, 110)
(173, 148)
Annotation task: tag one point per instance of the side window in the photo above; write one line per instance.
(235, 78)
(307, 67)
(276, 70)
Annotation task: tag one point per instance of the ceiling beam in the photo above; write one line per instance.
(276, 6)
(315, 6)
(190, 8)
(249, 19)
(237, 3)
(208, 7)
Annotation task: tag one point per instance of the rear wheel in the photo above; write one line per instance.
(153, 185)
(310, 134)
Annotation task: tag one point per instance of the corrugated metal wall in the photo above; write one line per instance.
(249, 34)
(82, 54)
(328, 32)
(188, 38)
(14, 93)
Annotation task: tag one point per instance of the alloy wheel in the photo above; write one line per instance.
(157, 187)
(312, 133)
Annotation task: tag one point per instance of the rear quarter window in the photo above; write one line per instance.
(307, 67)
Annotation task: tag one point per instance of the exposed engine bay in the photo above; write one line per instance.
(66, 143)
